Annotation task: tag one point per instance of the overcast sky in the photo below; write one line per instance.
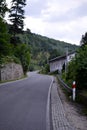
(64, 20)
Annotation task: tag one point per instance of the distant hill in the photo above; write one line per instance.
(44, 48)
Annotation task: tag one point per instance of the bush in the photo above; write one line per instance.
(22, 52)
(45, 69)
(77, 69)
(81, 68)
(8, 59)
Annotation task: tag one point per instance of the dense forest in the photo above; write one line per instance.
(44, 48)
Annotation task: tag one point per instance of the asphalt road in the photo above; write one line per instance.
(23, 103)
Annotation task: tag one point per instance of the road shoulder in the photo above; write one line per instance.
(65, 115)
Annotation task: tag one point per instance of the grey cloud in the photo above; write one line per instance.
(82, 10)
(70, 15)
(60, 18)
(34, 8)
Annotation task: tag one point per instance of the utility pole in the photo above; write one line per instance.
(66, 62)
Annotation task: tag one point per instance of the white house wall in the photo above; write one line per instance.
(58, 64)
(70, 57)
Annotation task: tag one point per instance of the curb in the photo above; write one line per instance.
(59, 117)
(48, 107)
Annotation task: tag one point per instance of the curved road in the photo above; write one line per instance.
(23, 103)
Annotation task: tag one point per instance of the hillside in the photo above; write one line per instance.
(43, 48)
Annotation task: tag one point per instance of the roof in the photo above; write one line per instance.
(61, 57)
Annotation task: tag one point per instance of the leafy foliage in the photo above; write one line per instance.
(45, 69)
(84, 39)
(70, 76)
(77, 69)
(23, 53)
(81, 68)
(43, 48)
(8, 59)
(5, 47)
(16, 18)
(8, 52)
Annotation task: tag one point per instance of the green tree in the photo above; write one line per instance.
(3, 8)
(81, 68)
(77, 69)
(71, 72)
(22, 51)
(54, 53)
(16, 18)
(5, 47)
(84, 39)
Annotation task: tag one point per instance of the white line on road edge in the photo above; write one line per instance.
(48, 107)
(9, 82)
(20, 79)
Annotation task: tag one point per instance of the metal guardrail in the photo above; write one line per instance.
(64, 85)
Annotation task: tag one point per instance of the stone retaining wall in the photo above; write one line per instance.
(11, 71)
